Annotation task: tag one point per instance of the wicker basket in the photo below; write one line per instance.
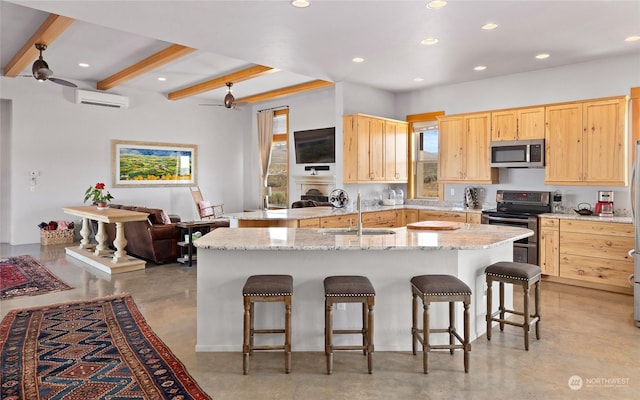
(57, 236)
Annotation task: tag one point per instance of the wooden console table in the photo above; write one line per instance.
(100, 257)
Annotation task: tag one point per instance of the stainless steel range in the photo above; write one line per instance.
(521, 209)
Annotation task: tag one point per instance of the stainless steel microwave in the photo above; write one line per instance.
(518, 153)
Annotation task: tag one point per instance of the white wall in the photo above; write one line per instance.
(70, 146)
(610, 77)
(5, 157)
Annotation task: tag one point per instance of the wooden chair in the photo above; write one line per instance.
(206, 211)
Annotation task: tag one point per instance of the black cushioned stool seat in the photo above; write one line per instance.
(439, 288)
(514, 273)
(349, 289)
(266, 288)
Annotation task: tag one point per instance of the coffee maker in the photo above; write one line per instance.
(604, 206)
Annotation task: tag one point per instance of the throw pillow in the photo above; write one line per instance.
(165, 218)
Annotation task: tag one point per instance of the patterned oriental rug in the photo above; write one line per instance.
(25, 276)
(94, 349)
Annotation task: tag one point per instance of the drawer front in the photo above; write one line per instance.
(309, 223)
(549, 223)
(597, 246)
(599, 228)
(342, 221)
(443, 216)
(474, 218)
(382, 219)
(608, 272)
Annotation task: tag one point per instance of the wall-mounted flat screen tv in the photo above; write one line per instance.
(315, 146)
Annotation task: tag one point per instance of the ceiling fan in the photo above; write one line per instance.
(41, 71)
(229, 100)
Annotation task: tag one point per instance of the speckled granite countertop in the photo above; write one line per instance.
(593, 218)
(320, 212)
(468, 237)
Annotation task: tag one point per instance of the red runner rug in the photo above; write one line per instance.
(94, 349)
(25, 276)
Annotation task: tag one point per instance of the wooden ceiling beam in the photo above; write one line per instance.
(50, 29)
(150, 63)
(286, 91)
(238, 76)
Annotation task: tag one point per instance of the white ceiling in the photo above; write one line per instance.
(319, 42)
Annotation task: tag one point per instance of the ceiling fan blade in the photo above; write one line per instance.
(63, 82)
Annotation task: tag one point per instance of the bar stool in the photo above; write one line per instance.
(349, 289)
(440, 288)
(516, 274)
(266, 288)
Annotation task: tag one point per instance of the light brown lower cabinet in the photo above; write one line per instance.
(431, 215)
(549, 246)
(587, 253)
(340, 221)
(474, 218)
(379, 219)
(309, 223)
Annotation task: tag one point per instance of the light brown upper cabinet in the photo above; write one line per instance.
(587, 143)
(518, 124)
(374, 149)
(464, 149)
(396, 135)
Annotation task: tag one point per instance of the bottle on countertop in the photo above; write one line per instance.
(399, 196)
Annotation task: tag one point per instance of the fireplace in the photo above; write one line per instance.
(315, 187)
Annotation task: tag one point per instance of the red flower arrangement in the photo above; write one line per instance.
(97, 194)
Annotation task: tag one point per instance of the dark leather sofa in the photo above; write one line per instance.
(154, 239)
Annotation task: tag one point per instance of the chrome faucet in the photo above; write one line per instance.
(359, 222)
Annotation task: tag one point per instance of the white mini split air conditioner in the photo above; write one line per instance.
(101, 99)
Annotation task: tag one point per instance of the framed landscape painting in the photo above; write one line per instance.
(153, 164)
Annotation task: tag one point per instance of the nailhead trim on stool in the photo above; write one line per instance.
(514, 273)
(439, 288)
(266, 288)
(349, 289)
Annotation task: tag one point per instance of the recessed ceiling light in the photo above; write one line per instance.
(542, 56)
(418, 79)
(357, 59)
(436, 4)
(162, 78)
(429, 41)
(83, 65)
(489, 26)
(632, 38)
(300, 3)
(480, 68)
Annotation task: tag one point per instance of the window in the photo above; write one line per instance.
(425, 136)
(278, 177)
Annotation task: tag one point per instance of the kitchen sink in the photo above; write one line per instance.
(365, 232)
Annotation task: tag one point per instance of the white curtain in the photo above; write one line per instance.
(265, 139)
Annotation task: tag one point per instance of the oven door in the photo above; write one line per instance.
(524, 250)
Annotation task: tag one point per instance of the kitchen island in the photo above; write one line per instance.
(229, 256)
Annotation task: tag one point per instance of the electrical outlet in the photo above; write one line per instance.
(453, 192)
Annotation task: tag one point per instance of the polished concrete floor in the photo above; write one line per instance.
(586, 334)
